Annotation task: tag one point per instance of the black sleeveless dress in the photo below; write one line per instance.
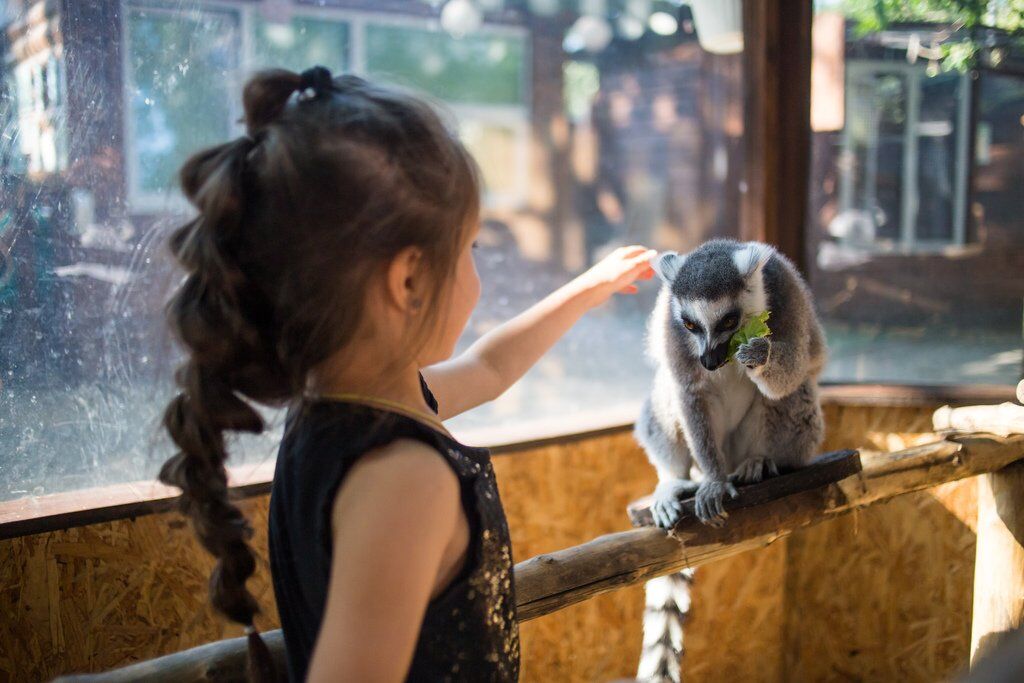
(469, 632)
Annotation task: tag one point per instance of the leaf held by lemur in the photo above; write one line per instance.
(755, 326)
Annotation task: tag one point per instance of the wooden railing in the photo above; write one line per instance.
(552, 581)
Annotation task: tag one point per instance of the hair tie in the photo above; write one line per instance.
(252, 145)
(315, 81)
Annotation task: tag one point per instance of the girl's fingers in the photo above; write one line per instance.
(645, 256)
(634, 249)
(629, 289)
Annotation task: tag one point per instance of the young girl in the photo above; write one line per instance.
(330, 269)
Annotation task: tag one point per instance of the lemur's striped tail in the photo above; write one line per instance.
(668, 603)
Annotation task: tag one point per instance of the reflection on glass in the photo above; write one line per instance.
(175, 62)
(300, 42)
(915, 250)
(581, 152)
(479, 69)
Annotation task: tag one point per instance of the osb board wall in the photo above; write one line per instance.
(881, 595)
(565, 495)
(100, 596)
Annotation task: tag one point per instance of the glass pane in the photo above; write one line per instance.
(300, 43)
(937, 132)
(479, 69)
(877, 113)
(914, 257)
(582, 150)
(180, 67)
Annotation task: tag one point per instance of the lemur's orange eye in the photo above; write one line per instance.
(688, 324)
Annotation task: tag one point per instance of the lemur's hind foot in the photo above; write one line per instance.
(754, 471)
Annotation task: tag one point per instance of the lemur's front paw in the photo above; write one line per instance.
(667, 506)
(755, 353)
(709, 503)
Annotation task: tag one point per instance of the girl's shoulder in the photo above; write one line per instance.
(324, 440)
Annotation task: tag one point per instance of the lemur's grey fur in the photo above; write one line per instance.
(709, 424)
(736, 422)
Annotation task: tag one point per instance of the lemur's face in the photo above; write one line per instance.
(714, 289)
(708, 325)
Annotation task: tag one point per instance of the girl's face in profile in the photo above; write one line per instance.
(465, 293)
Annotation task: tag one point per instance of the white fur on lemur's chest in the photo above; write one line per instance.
(733, 392)
(736, 406)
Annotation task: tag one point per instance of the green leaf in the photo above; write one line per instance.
(755, 326)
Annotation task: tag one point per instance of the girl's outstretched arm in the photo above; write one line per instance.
(503, 355)
(400, 536)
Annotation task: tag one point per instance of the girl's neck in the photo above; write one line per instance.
(362, 377)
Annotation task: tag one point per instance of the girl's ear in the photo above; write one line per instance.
(667, 266)
(751, 257)
(404, 280)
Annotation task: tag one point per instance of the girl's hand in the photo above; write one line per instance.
(495, 361)
(616, 273)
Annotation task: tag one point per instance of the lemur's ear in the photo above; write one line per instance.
(751, 257)
(667, 265)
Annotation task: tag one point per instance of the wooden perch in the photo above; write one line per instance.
(826, 469)
(550, 582)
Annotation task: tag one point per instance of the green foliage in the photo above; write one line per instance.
(962, 51)
(481, 68)
(755, 326)
(582, 81)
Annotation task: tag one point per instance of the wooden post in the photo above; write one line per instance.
(776, 122)
(999, 565)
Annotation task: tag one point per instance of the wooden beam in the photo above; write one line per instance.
(999, 564)
(1003, 419)
(550, 582)
(224, 661)
(777, 122)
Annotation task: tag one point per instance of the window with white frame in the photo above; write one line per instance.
(43, 142)
(183, 66)
(904, 169)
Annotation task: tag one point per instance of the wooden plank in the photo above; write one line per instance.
(38, 514)
(825, 469)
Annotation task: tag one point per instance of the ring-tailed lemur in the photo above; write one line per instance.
(710, 423)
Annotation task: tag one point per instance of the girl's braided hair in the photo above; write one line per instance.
(334, 178)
